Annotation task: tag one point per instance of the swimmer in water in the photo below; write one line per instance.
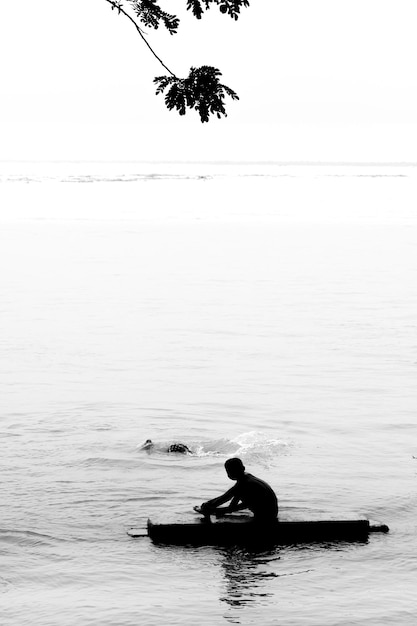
(180, 448)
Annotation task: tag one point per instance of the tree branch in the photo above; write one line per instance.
(116, 5)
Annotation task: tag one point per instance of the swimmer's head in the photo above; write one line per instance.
(147, 445)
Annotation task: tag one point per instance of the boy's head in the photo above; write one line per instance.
(234, 468)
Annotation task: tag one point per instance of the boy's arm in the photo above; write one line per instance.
(216, 502)
(236, 505)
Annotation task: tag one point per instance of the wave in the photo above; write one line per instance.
(25, 537)
(254, 447)
(106, 462)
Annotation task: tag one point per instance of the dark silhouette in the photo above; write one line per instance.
(249, 492)
(201, 90)
(181, 448)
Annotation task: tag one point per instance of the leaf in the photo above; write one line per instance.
(196, 7)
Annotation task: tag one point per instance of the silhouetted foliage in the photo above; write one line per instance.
(151, 15)
(201, 90)
(231, 7)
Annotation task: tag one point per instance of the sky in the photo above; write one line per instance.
(322, 80)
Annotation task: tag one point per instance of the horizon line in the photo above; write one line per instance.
(221, 162)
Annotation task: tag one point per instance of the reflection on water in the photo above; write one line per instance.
(246, 575)
(257, 578)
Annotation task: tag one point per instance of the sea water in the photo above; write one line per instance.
(265, 311)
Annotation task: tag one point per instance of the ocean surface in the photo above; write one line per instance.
(266, 311)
